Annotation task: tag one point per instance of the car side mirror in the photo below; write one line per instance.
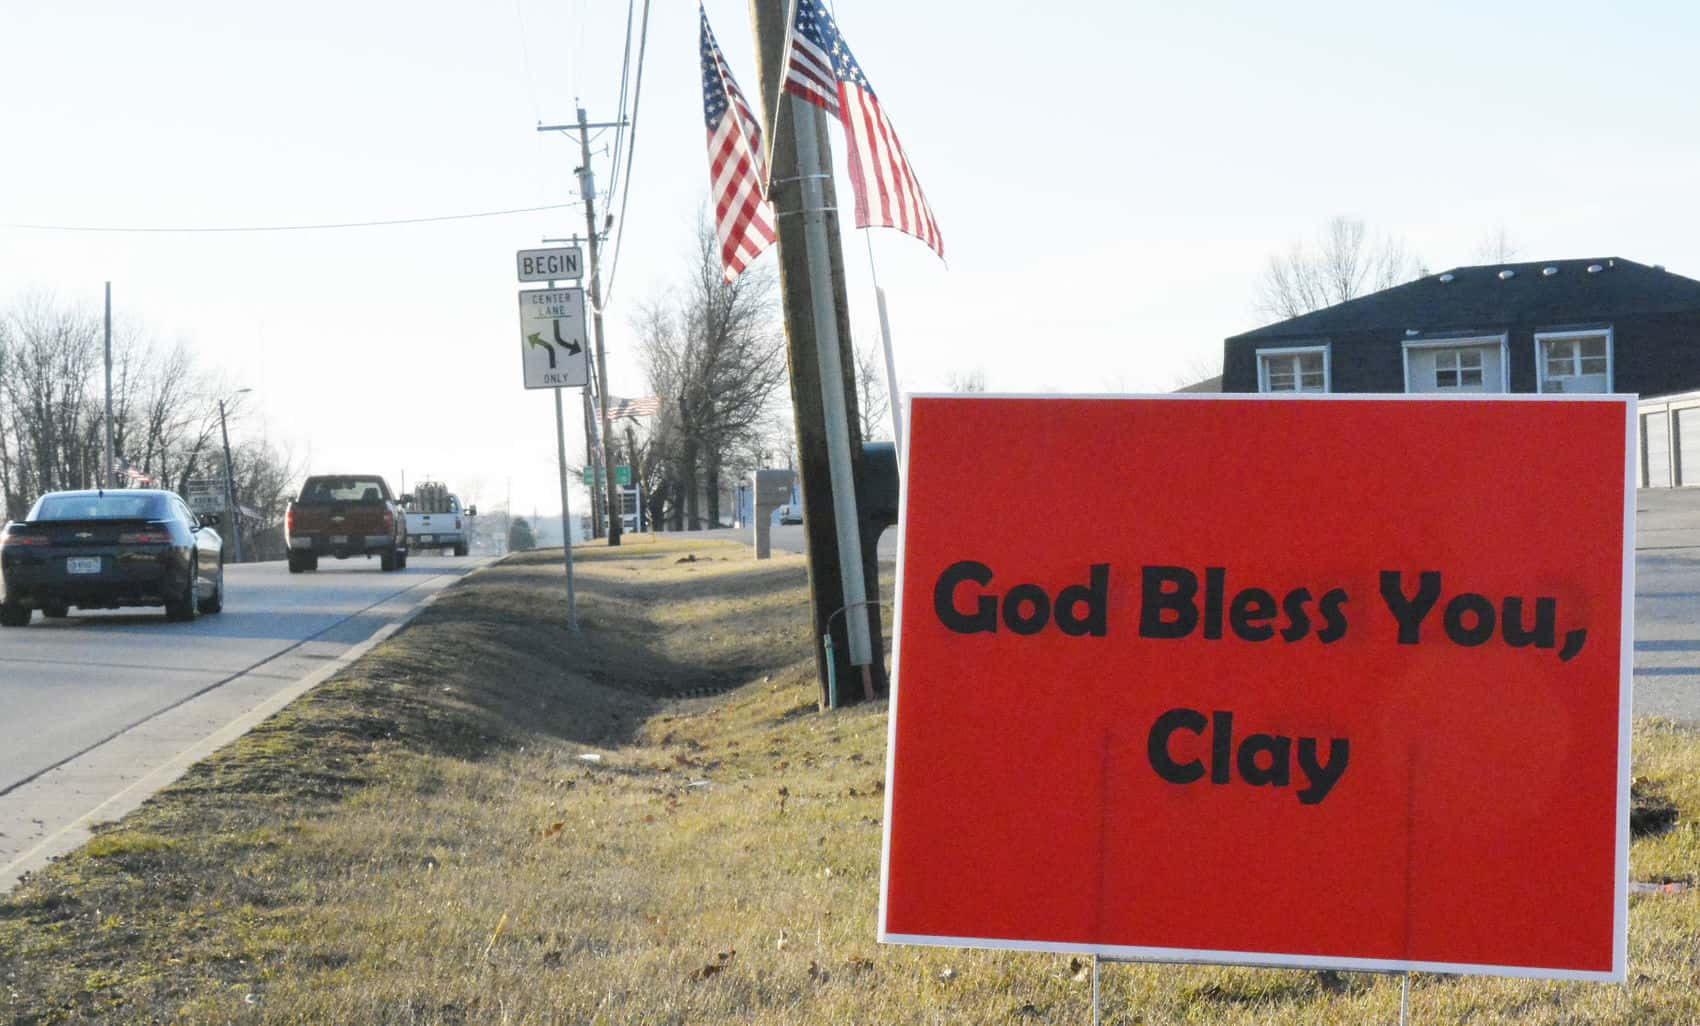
(472, 511)
(407, 500)
(206, 520)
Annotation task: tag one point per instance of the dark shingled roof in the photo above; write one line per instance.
(1477, 298)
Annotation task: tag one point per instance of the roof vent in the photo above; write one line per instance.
(1658, 267)
(1595, 268)
(1507, 274)
(1445, 278)
(1548, 272)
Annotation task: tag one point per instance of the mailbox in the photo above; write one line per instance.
(877, 489)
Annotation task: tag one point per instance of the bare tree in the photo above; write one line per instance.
(715, 358)
(967, 381)
(873, 402)
(1496, 246)
(1344, 264)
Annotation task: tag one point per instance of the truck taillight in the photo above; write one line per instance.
(389, 521)
(457, 523)
(289, 522)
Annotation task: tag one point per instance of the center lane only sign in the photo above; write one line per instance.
(1342, 682)
(552, 338)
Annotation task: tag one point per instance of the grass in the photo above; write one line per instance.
(491, 820)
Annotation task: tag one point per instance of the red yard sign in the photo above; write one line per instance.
(1336, 682)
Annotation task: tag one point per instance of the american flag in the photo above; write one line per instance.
(822, 71)
(743, 220)
(633, 409)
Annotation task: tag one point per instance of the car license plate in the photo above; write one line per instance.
(82, 565)
(339, 539)
(427, 537)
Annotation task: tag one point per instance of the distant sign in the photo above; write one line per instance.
(552, 338)
(561, 264)
(622, 475)
(206, 495)
(1282, 682)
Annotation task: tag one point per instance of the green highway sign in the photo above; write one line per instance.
(622, 475)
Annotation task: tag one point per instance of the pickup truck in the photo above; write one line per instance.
(345, 515)
(435, 519)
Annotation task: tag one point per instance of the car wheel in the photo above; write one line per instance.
(405, 554)
(216, 603)
(55, 612)
(184, 609)
(312, 563)
(14, 615)
(296, 564)
(386, 560)
(460, 550)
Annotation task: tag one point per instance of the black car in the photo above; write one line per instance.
(105, 549)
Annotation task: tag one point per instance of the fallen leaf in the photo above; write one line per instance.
(554, 829)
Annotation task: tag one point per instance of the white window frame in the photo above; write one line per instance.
(1542, 337)
(1474, 342)
(1263, 368)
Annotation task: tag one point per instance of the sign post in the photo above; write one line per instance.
(1285, 682)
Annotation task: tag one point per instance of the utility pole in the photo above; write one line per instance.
(109, 475)
(234, 514)
(823, 397)
(587, 190)
(589, 432)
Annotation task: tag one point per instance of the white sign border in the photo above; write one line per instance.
(1277, 960)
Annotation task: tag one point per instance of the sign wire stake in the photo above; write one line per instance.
(1094, 989)
(1405, 999)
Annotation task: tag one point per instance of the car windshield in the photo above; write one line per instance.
(110, 506)
(343, 489)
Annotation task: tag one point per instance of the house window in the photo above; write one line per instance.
(1575, 361)
(1293, 370)
(1458, 368)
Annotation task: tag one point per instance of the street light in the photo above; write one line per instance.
(234, 514)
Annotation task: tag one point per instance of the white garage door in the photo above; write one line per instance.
(1655, 448)
(1688, 446)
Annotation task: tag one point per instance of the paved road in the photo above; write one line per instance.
(1667, 603)
(99, 700)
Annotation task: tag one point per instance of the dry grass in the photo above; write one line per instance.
(427, 840)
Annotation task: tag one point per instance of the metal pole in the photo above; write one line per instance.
(230, 488)
(1405, 1000)
(587, 189)
(891, 396)
(110, 474)
(1095, 990)
(566, 513)
(829, 355)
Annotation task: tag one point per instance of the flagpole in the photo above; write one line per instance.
(893, 405)
(778, 93)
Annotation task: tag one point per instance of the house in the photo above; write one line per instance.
(1602, 325)
(1557, 326)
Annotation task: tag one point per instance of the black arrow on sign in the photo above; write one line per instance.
(571, 346)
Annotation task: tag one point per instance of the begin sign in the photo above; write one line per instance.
(1340, 682)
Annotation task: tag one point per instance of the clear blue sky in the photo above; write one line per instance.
(1110, 179)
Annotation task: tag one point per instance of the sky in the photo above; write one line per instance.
(1110, 179)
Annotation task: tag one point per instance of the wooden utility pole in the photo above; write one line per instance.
(794, 199)
(587, 189)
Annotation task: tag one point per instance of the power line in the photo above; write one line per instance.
(631, 149)
(283, 227)
(625, 81)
